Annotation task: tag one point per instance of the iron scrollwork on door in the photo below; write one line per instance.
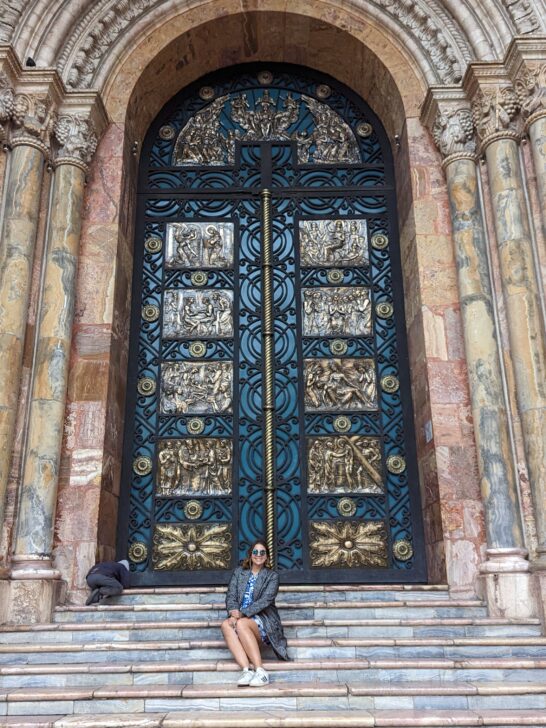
(266, 393)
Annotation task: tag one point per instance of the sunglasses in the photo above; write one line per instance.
(259, 552)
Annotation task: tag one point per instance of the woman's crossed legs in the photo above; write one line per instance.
(243, 641)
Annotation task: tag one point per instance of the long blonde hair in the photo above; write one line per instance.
(247, 561)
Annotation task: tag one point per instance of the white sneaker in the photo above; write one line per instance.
(246, 676)
(260, 678)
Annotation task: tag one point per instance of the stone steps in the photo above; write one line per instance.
(113, 631)
(315, 610)
(289, 719)
(362, 656)
(278, 696)
(299, 649)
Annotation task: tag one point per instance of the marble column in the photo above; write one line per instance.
(34, 535)
(495, 115)
(29, 138)
(453, 133)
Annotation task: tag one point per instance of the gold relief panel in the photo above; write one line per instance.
(333, 243)
(194, 467)
(344, 464)
(196, 387)
(340, 384)
(197, 313)
(199, 245)
(345, 311)
(192, 547)
(351, 544)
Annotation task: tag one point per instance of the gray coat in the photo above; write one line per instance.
(265, 591)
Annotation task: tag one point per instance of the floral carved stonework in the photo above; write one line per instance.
(495, 110)
(453, 132)
(76, 138)
(530, 88)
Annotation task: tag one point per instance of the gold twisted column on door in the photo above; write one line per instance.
(269, 382)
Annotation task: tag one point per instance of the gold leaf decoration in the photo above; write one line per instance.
(192, 547)
(354, 544)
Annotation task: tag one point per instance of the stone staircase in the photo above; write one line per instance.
(362, 656)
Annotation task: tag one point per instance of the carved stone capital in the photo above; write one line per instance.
(453, 132)
(32, 121)
(76, 139)
(530, 87)
(7, 96)
(495, 113)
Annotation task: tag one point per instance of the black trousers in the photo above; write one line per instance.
(107, 585)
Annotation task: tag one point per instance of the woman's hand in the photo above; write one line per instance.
(235, 613)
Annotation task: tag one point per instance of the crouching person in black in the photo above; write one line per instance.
(107, 579)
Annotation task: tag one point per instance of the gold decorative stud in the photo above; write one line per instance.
(396, 464)
(323, 91)
(342, 424)
(402, 550)
(153, 244)
(167, 132)
(346, 507)
(199, 278)
(206, 93)
(198, 348)
(195, 426)
(338, 347)
(334, 276)
(193, 509)
(138, 552)
(379, 241)
(390, 384)
(142, 465)
(364, 129)
(146, 386)
(384, 310)
(265, 78)
(150, 312)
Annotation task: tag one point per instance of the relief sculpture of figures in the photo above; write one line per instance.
(196, 387)
(199, 245)
(333, 243)
(337, 312)
(197, 313)
(208, 137)
(340, 384)
(194, 467)
(344, 464)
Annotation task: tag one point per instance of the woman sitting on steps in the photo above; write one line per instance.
(253, 617)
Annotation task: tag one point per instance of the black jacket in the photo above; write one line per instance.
(113, 569)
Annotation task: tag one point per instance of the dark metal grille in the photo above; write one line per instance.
(346, 489)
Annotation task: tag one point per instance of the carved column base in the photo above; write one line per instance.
(538, 563)
(33, 567)
(541, 589)
(31, 601)
(511, 589)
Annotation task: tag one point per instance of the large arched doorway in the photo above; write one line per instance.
(268, 386)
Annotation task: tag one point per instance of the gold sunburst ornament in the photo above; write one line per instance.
(138, 552)
(402, 550)
(350, 544)
(153, 244)
(192, 547)
(142, 465)
(146, 386)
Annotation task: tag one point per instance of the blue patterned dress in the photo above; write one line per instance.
(248, 598)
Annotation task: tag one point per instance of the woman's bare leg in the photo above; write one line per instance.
(235, 646)
(249, 637)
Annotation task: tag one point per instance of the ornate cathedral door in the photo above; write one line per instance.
(268, 392)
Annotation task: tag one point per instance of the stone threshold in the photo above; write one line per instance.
(197, 606)
(123, 645)
(181, 624)
(286, 719)
(492, 663)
